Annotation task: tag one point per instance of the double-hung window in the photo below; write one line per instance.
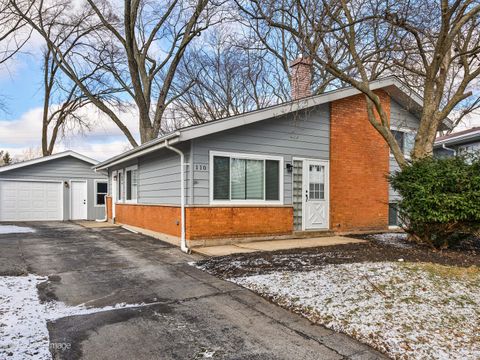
(119, 185)
(131, 184)
(101, 190)
(242, 178)
(405, 140)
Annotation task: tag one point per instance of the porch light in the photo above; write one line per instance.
(289, 167)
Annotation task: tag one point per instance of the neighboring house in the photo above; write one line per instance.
(313, 164)
(460, 143)
(58, 187)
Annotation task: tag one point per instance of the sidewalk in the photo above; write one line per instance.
(274, 245)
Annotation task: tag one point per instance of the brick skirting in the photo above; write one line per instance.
(163, 219)
(208, 222)
(109, 207)
(215, 222)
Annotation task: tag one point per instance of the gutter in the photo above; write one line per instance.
(183, 242)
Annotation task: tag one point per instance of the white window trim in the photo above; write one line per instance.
(95, 182)
(118, 186)
(281, 179)
(132, 201)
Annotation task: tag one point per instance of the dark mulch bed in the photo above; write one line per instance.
(465, 255)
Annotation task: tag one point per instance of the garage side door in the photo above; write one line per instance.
(30, 201)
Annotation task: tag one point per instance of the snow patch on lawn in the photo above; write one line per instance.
(406, 310)
(13, 229)
(23, 319)
(398, 240)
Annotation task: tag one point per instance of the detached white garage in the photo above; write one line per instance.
(53, 188)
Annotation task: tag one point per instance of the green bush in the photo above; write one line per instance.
(440, 202)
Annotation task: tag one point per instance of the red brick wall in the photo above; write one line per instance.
(109, 207)
(359, 165)
(163, 219)
(208, 222)
(214, 222)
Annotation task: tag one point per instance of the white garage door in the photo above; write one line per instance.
(30, 201)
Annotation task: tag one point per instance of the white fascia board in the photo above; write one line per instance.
(48, 158)
(459, 139)
(173, 139)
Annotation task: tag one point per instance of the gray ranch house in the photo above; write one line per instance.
(311, 165)
(58, 187)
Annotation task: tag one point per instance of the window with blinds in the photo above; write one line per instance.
(245, 179)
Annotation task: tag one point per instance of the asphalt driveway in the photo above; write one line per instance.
(185, 313)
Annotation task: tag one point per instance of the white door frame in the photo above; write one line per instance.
(86, 200)
(325, 163)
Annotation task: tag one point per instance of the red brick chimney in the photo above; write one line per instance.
(301, 72)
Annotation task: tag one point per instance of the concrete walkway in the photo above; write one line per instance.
(181, 312)
(274, 245)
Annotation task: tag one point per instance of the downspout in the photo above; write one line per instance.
(450, 149)
(183, 242)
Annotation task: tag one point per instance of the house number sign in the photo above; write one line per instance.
(200, 167)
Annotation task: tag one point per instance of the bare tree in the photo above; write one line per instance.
(61, 105)
(432, 45)
(13, 35)
(13, 31)
(138, 52)
(63, 98)
(223, 80)
(281, 47)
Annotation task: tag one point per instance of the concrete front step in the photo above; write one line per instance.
(274, 245)
(311, 234)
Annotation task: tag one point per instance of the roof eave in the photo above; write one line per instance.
(459, 139)
(48, 158)
(138, 151)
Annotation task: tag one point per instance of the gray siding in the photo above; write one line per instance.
(304, 134)
(63, 169)
(159, 176)
(400, 118)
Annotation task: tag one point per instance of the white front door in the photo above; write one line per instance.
(78, 200)
(315, 194)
